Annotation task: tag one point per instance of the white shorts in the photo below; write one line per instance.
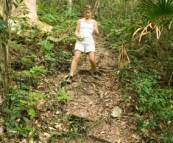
(84, 47)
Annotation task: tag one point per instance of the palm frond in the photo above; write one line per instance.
(160, 8)
(149, 29)
(170, 24)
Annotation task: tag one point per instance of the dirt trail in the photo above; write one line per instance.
(93, 99)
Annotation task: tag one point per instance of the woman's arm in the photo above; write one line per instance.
(96, 31)
(77, 30)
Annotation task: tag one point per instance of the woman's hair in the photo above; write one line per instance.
(88, 7)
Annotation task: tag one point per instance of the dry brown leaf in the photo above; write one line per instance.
(170, 25)
(136, 32)
(119, 141)
(147, 30)
(142, 34)
(135, 136)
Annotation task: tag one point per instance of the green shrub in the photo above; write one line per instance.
(153, 100)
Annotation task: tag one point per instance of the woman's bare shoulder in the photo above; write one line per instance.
(94, 21)
(80, 20)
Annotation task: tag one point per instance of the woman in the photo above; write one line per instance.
(85, 42)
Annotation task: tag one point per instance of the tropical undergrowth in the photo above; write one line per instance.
(34, 55)
(149, 74)
(147, 77)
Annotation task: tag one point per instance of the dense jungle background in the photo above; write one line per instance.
(135, 64)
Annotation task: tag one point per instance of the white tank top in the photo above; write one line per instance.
(87, 30)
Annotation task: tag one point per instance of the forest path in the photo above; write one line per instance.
(84, 117)
(93, 100)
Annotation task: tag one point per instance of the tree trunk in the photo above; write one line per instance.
(70, 6)
(1, 8)
(5, 9)
(27, 8)
(4, 67)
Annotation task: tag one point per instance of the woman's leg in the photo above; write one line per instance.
(75, 61)
(92, 61)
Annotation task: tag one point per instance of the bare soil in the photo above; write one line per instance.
(85, 117)
(93, 99)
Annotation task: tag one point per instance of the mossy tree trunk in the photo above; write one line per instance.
(70, 5)
(4, 38)
(4, 66)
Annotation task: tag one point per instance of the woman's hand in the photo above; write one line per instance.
(79, 36)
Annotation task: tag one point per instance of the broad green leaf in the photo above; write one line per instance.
(31, 112)
(3, 25)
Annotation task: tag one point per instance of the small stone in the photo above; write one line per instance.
(117, 111)
(58, 112)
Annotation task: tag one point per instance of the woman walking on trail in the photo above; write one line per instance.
(85, 29)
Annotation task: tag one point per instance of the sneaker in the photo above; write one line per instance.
(68, 79)
(93, 73)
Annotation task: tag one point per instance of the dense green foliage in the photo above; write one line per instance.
(149, 80)
(151, 100)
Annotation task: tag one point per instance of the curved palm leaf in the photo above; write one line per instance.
(160, 8)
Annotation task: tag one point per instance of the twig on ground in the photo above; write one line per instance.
(98, 122)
